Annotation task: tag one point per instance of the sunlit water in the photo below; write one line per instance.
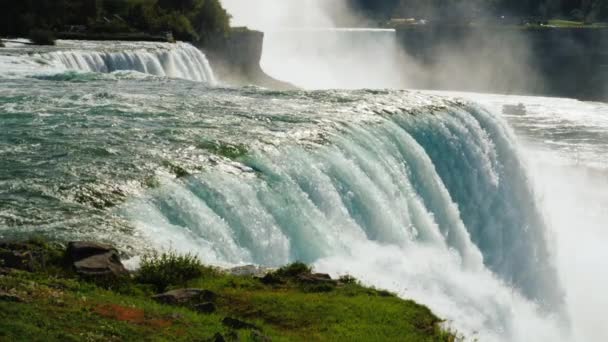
(493, 221)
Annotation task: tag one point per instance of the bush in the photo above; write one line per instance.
(42, 37)
(348, 279)
(1, 43)
(294, 270)
(168, 268)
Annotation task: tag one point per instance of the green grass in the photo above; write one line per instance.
(61, 307)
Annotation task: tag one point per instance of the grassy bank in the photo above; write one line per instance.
(54, 303)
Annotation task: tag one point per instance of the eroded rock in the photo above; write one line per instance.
(185, 296)
(95, 259)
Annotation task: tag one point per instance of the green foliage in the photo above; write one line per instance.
(68, 308)
(42, 37)
(168, 269)
(293, 270)
(190, 20)
(348, 279)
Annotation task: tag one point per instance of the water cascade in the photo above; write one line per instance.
(176, 61)
(308, 43)
(469, 242)
(334, 58)
(71, 59)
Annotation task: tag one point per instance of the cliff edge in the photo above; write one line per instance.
(236, 57)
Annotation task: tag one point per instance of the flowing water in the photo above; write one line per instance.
(493, 221)
(334, 58)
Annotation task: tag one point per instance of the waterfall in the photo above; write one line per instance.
(435, 205)
(179, 60)
(308, 43)
(334, 58)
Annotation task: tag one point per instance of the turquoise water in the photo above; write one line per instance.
(424, 194)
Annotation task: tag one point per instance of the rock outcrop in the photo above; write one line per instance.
(185, 297)
(236, 59)
(95, 259)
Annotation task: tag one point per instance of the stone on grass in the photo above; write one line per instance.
(238, 324)
(205, 308)
(95, 259)
(185, 296)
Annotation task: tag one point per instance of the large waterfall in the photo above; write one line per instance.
(431, 203)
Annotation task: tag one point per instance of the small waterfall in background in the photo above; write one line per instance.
(179, 60)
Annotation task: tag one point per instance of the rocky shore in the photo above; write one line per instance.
(82, 291)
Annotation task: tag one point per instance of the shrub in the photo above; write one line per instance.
(1, 43)
(348, 279)
(168, 268)
(42, 37)
(294, 270)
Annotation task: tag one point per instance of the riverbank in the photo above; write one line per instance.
(51, 293)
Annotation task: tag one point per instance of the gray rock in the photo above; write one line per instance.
(249, 270)
(218, 338)
(9, 297)
(316, 278)
(185, 296)
(20, 260)
(259, 337)
(205, 308)
(238, 324)
(94, 259)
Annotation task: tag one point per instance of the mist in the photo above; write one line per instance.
(317, 44)
(314, 44)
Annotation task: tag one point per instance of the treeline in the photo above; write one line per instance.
(580, 10)
(189, 20)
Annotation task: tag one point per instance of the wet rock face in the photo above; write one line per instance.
(95, 259)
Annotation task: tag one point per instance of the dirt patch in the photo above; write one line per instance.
(130, 315)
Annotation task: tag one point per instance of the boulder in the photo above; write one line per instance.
(218, 338)
(316, 278)
(95, 259)
(20, 256)
(238, 324)
(9, 297)
(185, 296)
(272, 279)
(259, 337)
(20, 260)
(206, 308)
(249, 270)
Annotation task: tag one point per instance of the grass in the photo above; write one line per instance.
(62, 307)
